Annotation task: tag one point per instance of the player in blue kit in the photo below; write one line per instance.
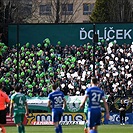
(95, 94)
(58, 103)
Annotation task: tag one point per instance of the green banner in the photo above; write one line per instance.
(73, 104)
(38, 103)
(70, 34)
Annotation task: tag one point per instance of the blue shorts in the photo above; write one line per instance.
(56, 115)
(94, 117)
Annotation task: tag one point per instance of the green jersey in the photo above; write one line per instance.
(18, 100)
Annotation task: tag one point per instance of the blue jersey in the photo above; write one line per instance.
(56, 98)
(95, 94)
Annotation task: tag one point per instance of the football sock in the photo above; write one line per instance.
(57, 129)
(3, 129)
(19, 129)
(60, 128)
(93, 131)
(85, 130)
(85, 125)
(23, 128)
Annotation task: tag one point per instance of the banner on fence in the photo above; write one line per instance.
(115, 106)
(9, 120)
(69, 119)
(73, 104)
(75, 119)
(37, 103)
(46, 119)
(78, 34)
(40, 103)
(115, 119)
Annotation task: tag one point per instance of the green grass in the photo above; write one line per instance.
(74, 129)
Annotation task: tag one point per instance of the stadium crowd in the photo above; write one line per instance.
(70, 66)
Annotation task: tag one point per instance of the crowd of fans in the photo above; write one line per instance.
(71, 67)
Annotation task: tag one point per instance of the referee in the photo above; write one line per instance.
(4, 99)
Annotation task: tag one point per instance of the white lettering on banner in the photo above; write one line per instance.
(105, 32)
(127, 33)
(116, 118)
(69, 122)
(65, 117)
(42, 123)
(119, 34)
(83, 34)
(89, 34)
(98, 32)
(108, 32)
(61, 122)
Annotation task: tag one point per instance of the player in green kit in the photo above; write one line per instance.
(86, 117)
(18, 108)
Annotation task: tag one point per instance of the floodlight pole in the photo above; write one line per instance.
(17, 46)
(17, 53)
(94, 30)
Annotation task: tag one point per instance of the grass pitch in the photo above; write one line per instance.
(74, 129)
